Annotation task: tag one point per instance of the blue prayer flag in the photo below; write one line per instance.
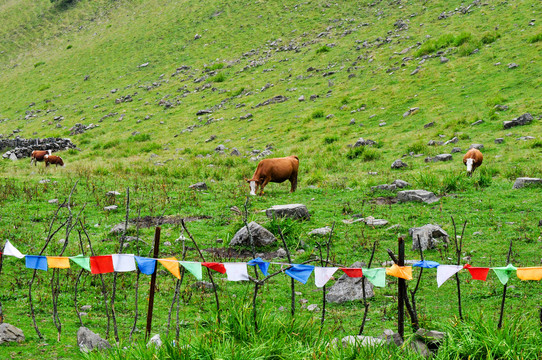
(300, 272)
(36, 262)
(146, 265)
(261, 264)
(427, 264)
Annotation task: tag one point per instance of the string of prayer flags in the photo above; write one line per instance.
(36, 262)
(477, 273)
(123, 262)
(300, 272)
(215, 266)
(323, 274)
(503, 273)
(101, 264)
(10, 250)
(146, 265)
(58, 262)
(376, 276)
(444, 272)
(172, 265)
(353, 272)
(193, 267)
(530, 273)
(263, 265)
(426, 264)
(236, 271)
(81, 260)
(402, 272)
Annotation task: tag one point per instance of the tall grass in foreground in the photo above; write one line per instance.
(278, 337)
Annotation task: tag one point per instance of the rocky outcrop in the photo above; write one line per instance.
(21, 148)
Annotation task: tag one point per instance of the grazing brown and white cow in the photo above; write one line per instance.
(38, 155)
(472, 159)
(274, 170)
(53, 159)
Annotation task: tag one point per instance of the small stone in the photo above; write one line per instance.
(301, 98)
(53, 201)
(198, 186)
(155, 340)
(312, 307)
(499, 140)
(111, 208)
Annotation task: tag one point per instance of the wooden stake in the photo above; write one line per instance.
(504, 291)
(153, 283)
(401, 292)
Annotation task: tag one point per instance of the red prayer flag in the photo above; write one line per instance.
(477, 273)
(215, 266)
(353, 272)
(101, 264)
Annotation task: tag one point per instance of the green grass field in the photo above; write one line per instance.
(143, 70)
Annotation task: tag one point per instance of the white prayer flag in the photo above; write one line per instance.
(323, 274)
(10, 250)
(123, 262)
(444, 272)
(236, 271)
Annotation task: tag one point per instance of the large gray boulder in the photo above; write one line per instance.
(522, 120)
(292, 211)
(430, 235)
(398, 164)
(525, 181)
(261, 236)
(417, 195)
(89, 340)
(349, 289)
(10, 333)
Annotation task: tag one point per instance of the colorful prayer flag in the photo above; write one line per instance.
(146, 265)
(81, 260)
(215, 266)
(426, 264)
(36, 262)
(353, 272)
(402, 272)
(123, 262)
(300, 272)
(444, 272)
(58, 262)
(193, 267)
(263, 265)
(477, 273)
(323, 274)
(101, 264)
(10, 250)
(172, 265)
(236, 271)
(530, 273)
(376, 276)
(503, 273)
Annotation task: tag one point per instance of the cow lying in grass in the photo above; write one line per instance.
(274, 170)
(53, 159)
(38, 155)
(472, 159)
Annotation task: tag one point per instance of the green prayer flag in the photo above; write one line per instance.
(503, 273)
(81, 260)
(376, 276)
(193, 267)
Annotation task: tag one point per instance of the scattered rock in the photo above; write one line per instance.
(111, 208)
(203, 285)
(10, 333)
(349, 289)
(281, 253)
(411, 111)
(88, 340)
(235, 152)
(198, 186)
(440, 157)
(477, 122)
(363, 142)
(313, 307)
(513, 65)
(522, 120)
(456, 150)
(400, 183)
(392, 337)
(398, 164)
(112, 193)
(361, 341)
(430, 235)
(291, 211)
(525, 181)
(260, 235)
(386, 187)
(476, 146)
(301, 98)
(428, 125)
(53, 201)
(274, 100)
(321, 231)
(155, 340)
(417, 195)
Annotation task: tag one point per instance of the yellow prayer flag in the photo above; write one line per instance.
(172, 265)
(58, 262)
(530, 273)
(403, 272)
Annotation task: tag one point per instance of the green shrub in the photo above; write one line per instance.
(330, 139)
(151, 147)
(535, 38)
(323, 49)
(213, 67)
(461, 39)
(111, 144)
(536, 144)
(489, 38)
(238, 92)
(139, 138)
(417, 148)
(39, 63)
(218, 78)
(43, 87)
(317, 114)
(69, 46)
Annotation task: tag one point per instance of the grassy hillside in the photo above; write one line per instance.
(143, 71)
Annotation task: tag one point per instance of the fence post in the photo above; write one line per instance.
(401, 291)
(153, 283)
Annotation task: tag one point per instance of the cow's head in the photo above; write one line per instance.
(470, 166)
(253, 185)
